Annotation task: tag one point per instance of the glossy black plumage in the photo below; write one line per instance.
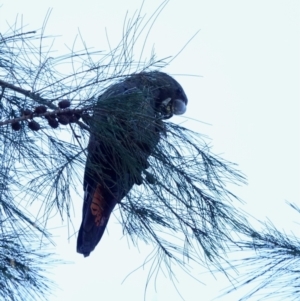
(126, 127)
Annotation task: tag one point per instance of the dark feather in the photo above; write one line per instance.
(125, 129)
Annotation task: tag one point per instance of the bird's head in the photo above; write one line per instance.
(171, 98)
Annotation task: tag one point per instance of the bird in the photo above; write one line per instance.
(125, 128)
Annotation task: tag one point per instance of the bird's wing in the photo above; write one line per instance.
(125, 129)
(116, 158)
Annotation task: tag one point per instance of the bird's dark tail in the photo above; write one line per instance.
(96, 212)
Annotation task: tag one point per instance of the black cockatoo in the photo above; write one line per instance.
(125, 128)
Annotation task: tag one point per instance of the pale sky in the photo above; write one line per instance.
(247, 56)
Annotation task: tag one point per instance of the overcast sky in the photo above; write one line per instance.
(247, 56)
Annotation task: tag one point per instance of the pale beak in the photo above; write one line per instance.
(179, 107)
